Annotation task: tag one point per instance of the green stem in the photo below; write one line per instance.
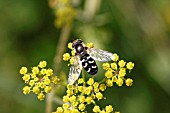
(103, 80)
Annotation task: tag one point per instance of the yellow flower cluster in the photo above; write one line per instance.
(116, 71)
(83, 94)
(64, 12)
(88, 92)
(38, 81)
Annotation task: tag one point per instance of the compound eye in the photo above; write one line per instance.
(80, 48)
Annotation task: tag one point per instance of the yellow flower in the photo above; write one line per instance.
(130, 65)
(35, 70)
(23, 70)
(102, 87)
(121, 63)
(75, 111)
(96, 85)
(82, 99)
(99, 95)
(59, 110)
(36, 90)
(119, 82)
(129, 82)
(71, 61)
(69, 45)
(109, 109)
(89, 100)
(72, 98)
(96, 109)
(122, 72)
(42, 64)
(102, 111)
(55, 79)
(65, 98)
(114, 66)
(47, 89)
(43, 71)
(108, 74)
(47, 81)
(69, 91)
(82, 107)
(32, 82)
(90, 81)
(66, 56)
(74, 103)
(109, 83)
(33, 76)
(26, 77)
(114, 79)
(26, 90)
(106, 66)
(80, 80)
(115, 57)
(80, 88)
(72, 53)
(41, 96)
(88, 90)
(65, 106)
(90, 45)
(49, 72)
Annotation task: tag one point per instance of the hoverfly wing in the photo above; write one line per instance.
(100, 55)
(75, 70)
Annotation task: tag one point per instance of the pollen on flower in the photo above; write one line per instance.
(23, 70)
(66, 56)
(129, 65)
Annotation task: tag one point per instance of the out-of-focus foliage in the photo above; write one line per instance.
(136, 30)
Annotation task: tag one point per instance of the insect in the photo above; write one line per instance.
(85, 58)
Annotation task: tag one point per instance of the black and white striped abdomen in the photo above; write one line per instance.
(89, 64)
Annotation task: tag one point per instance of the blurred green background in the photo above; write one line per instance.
(137, 30)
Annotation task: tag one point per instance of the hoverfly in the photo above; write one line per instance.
(85, 58)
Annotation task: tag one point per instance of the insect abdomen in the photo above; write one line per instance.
(89, 64)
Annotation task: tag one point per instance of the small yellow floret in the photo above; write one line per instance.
(80, 80)
(90, 45)
(26, 77)
(115, 57)
(96, 109)
(130, 65)
(26, 90)
(99, 95)
(114, 66)
(35, 70)
(102, 87)
(108, 74)
(119, 82)
(65, 106)
(106, 66)
(49, 72)
(65, 98)
(129, 82)
(109, 108)
(109, 83)
(82, 107)
(36, 90)
(122, 72)
(70, 45)
(23, 70)
(59, 110)
(47, 89)
(42, 64)
(121, 63)
(89, 100)
(90, 81)
(41, 96)
(66, 56)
